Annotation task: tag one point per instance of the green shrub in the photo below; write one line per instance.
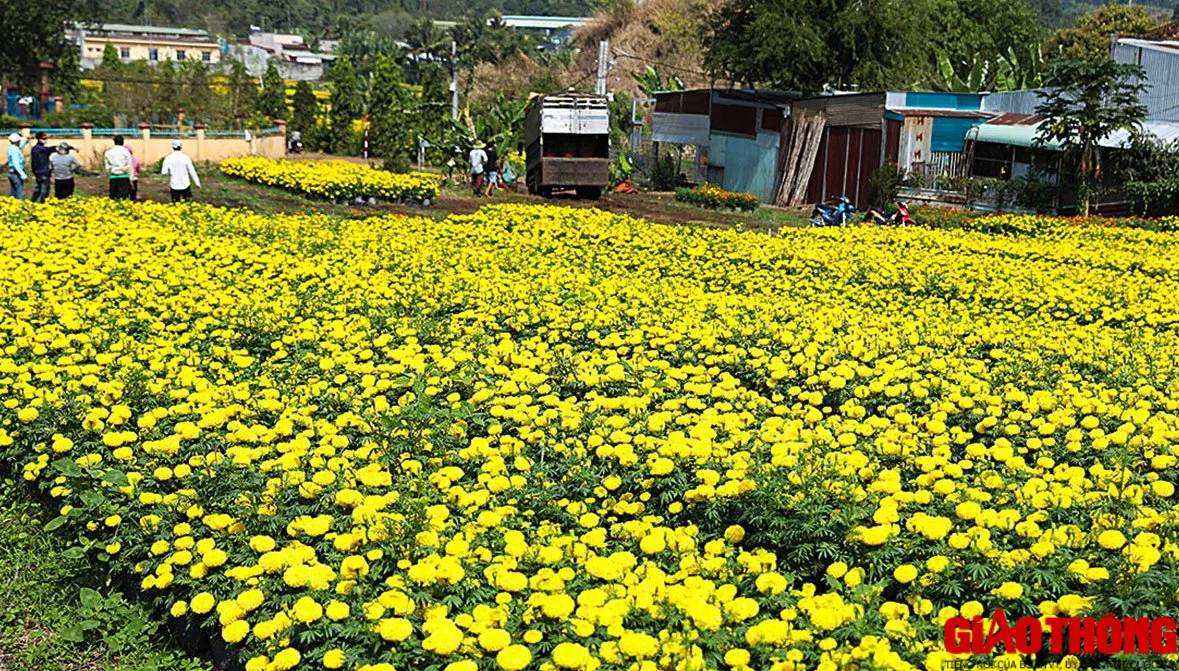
(664, 174)
(884, 184)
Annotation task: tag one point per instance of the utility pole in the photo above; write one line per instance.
(603, 66)
(454, 80)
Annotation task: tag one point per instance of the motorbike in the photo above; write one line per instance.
(836, 214)
(899, 217)
(296, 147)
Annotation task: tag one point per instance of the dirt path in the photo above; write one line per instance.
(454, 199)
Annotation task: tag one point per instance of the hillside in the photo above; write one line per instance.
(320, 16)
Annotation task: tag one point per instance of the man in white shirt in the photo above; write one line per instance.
(181, 173)
(117, 162)
(478, 162)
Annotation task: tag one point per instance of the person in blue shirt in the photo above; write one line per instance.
(16, 166)
(42, 171)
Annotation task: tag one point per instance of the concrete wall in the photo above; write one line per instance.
(150, 149)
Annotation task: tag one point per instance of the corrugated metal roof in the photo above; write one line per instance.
(1166, 131)
(1021, 130)
(1018, 136)
(1019, 102)
(145, 30)
(960, 114)
(1015, 119)
(1160, 60)
(542, 22)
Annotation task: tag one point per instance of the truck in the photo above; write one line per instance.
(567, 137)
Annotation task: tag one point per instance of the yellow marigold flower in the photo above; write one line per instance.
(337, 611)
(202, 603)
(737, 657)
(1009, 590)
(334, 659)
(287, 658)
(514, 658)
(571, 655)
(235, 631)
(1111, 539)
(395, 629)
(906, 573)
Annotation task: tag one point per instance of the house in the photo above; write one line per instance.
(289, 52)
(146, 43)
(735, 133)
(833, 143)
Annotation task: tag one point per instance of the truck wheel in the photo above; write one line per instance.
(589, 192)
(546, 192)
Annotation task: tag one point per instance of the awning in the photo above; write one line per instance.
(1018, 136)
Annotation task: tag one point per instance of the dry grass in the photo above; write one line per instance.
(664, 32)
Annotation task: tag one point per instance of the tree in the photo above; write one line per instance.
(32, 31)
(198, 93)
(808, 45)
(389, 135)
(345, 103)
(431, 118)
(304, 108)
(1089, 39)
(243, 92)
(272, 102)
(1086, 102)
(167, 94)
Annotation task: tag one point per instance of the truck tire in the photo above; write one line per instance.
(589, 192)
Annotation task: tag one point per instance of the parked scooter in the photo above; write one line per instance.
(837, 214)
(900, 217)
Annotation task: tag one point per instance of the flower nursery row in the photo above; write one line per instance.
(712, 197)
(563, 439)
(333, 179)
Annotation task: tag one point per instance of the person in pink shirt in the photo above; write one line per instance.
(134, 174)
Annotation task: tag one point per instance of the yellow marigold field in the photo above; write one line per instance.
(333, 179)
(553, 438)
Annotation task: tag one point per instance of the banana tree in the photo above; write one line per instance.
(498, 124)
(651, 80)
(1002, 72)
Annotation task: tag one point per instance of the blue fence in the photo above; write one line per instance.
(30, 109)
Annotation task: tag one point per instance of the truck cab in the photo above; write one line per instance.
(568, 144)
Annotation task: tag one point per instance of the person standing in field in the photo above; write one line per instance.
(492, 168)
(134, 191)
(16, 166)
(64, 164)
(181, 173)
(117, 162)
(42, 172)
(478, 159)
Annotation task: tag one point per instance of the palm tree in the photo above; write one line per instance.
(425, 39)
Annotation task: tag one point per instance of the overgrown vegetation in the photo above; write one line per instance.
(58, 612)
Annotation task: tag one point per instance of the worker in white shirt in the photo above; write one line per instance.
(117, 162)
(181, 173)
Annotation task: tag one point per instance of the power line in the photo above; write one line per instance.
(661, 64)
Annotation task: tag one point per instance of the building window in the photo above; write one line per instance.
(206, 56)
(125, 53)
(153, 55)
(180, 54)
